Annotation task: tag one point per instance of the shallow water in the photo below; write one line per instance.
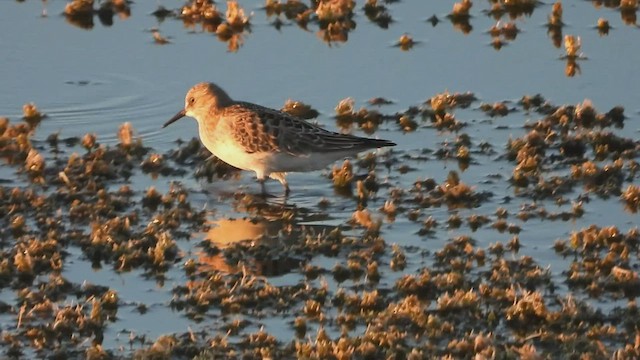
(91, 81)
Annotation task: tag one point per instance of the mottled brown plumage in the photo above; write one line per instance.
(267, 141)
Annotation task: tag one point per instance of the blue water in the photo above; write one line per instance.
(91, 81)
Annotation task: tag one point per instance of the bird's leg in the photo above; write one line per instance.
(260, 176)
(263, 187)
(281, 176)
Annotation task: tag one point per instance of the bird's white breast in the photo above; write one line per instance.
(224, 147)
(221, 142)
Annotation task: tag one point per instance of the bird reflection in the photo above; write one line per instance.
(256, 243)
(228, 232)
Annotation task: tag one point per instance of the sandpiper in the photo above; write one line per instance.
(269, 142)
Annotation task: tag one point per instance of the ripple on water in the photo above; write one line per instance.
(100, 105)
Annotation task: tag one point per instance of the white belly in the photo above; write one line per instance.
(283, 162)
(228, 150)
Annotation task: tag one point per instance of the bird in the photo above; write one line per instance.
(269, 142)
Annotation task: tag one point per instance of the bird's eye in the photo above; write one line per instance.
(192, 100)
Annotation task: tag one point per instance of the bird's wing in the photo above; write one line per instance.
(251, 128)
(261, 129)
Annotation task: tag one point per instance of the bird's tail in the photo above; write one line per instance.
(379, 143)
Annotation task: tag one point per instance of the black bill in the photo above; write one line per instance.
(175, 118)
